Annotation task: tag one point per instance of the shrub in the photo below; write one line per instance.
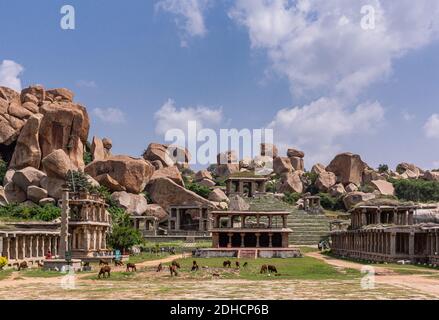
(292, 198)
(47, 213)
(383, 168)
(199, 189)
(3, 169)
(416, 190)
(77, 181)
(124, 237)
(330, 203)
(3, 262)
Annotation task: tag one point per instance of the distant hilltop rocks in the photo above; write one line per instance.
(44, 134)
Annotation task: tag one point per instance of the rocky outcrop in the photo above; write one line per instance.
(134, 204)
(297, 163)
(207, 183)
(325, 181)
(269, 150)
(97, 149)
(107, 181)
(409, 170)
(36, 194)
(169, 172)
(203, 174)
(27, 152)
(131, 173)
(348, 168)
(290, 183)
(225, 170)
(14, 194)
(370, 175)
(227, 158)
(282, 165)
(218, 195)
(337, 190)
(237, 203)
(57, 164)
(53, 186)
(354, 198)
(431, 176)
(351, 187)
(154, 210)
(3, 200)
(64, 126)
(166, 193)
(295, 153)
(28, 177)
(167, 155)
(318, 168)
(383, 187)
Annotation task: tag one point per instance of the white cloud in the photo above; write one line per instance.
(168, 117)
(320, 45)
(431, 128)
(316, 127)
(9, 74)
(189, 16)
(407, 116)
(110, 115)
(86, 84)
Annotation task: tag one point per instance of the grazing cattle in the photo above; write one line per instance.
(245, 265)
(176, 264)
(173, 270)
(272, 269)
(264, 269)
(118, 263)
(195, 266)
(103, 263)
(216, 275)
(105, 270)
(160, 268)
(22, 265)
(131, 267)
(227, 264)
(238, 265)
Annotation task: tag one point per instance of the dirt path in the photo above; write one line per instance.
(423, 283)
(155, 263)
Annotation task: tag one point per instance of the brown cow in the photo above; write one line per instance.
(176, 264)
(104, 270)
(264, 268)
(131, 267)
(118, 263)
(238, 265)
(160, 268)
(103, 262)
(195, 266)
(173, 270)
(22, 265)
(227, 264)
(272, 269)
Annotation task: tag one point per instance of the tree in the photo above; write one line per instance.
(199, 189)
(383, 168)
(416, 190)
(124, 237)
(77, 181)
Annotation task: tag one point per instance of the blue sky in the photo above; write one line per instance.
(307, 70)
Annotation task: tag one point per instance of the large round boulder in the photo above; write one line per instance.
(348, 168)
(135, 204)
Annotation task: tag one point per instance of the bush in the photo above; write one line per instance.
(88, 157)
(47, 213)
(124, 237)
(416, 190)
(292, 198)
(3, 169)
(3, 262)
(383, 168)
(199, 189)
(77, 181)
(330, 203)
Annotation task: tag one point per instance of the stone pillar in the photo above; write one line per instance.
(378, 217)
(94, 239)
(411, 213)
(177, 222)
(240, 187)
(258, 236)
(22, 244)
(16, 248)
(270, 240)
(201, 221)
(412, 244)
(8, 248)
(242, 240)
(393, 244)
(228, 187)
(229, 244)
(242, 222)
(1, 248)
(87, 239)
(284, 221)
(270, 221)
(64, 234)
(437, 244)
(29, 247)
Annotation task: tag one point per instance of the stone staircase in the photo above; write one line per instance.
(308, 229)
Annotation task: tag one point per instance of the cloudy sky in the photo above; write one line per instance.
(324, 75)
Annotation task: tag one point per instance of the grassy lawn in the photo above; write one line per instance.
(306, 249)
(146, 256)
(5, 273)
(306, 268)
(39, 273)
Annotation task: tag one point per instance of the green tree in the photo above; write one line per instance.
(383, 168)
(416, 190)
(124, 237)
(199, 189)
(77, 181)
(292, 198)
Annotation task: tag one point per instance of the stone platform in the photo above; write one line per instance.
(62, 264)
(250, 253)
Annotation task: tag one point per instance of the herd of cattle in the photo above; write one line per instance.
(105, 270)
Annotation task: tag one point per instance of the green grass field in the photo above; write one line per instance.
(306, 268)
(5, 273)
(146, 256)
(39, 273)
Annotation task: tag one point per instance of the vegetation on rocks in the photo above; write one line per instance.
(331, 203)
(383, 168)
(292, 198)
(199, 189)
(77, 181)
(48, 212)
(3, 169)
(416, 190)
